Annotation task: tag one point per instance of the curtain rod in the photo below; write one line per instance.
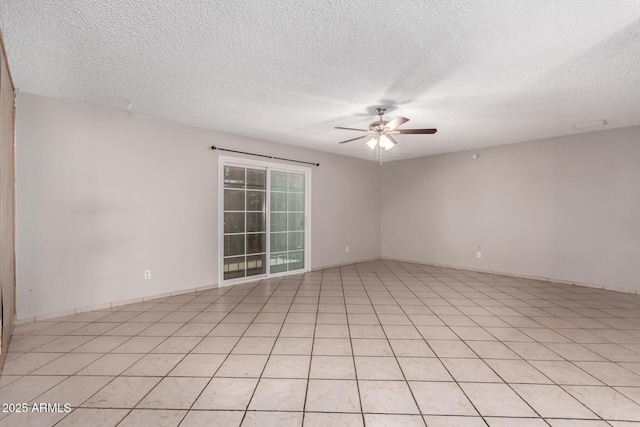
(213, 147)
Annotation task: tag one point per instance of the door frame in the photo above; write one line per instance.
(268, 166)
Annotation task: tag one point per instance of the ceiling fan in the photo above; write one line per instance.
(381, 132)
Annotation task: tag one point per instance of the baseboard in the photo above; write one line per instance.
(204, 288)
(147, 298)
(345, 263)
(521, 276)
(113, 304)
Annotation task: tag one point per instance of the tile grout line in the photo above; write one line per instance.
(253, 288)
(162, 377)
(282, 279)
(171, 369)
(313, 342)
(505, 382)
(502, 294)
(453, 377)
(74, 374)
(353, 355)
(426, 341)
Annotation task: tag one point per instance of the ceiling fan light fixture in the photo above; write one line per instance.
(382, 132)
(386, 143)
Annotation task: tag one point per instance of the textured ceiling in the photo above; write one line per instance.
(483, 72)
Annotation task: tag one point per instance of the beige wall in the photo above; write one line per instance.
(564, 208)
(103, 195)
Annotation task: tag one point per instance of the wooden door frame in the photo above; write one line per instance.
(6, 327)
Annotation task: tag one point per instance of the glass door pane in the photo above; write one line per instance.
(245, 247)
(287, 222)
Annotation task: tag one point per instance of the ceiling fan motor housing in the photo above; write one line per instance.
(378, 126)
(382, 131)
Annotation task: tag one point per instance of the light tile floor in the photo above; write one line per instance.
(378, 344)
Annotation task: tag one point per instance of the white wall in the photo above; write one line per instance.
(103, 195)
(563, 208)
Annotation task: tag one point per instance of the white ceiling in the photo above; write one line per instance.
(483, 72)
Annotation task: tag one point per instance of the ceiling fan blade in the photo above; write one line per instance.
(349, 140)
(390, 138)
(340, 127)
(396, 122)
(416, 131)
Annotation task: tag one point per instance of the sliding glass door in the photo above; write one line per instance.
(287, 233)
(245, 230)
(264, 220)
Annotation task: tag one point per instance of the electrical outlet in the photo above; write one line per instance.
(346, 249)
(147, 274)
(478, 254)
